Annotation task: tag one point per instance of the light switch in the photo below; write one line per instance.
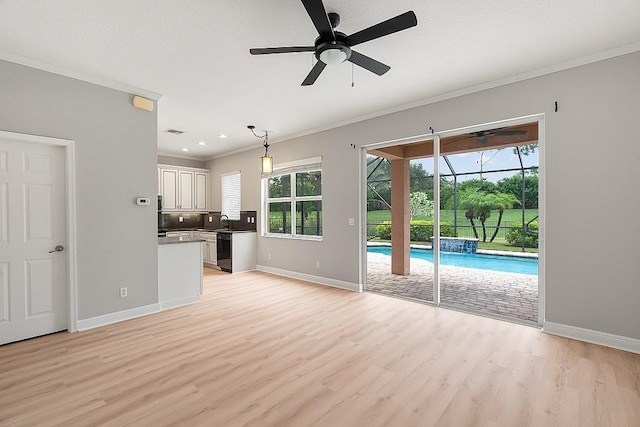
(180, 219)
(352, 221)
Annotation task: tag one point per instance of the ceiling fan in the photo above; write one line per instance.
(333, 47)
(482, 135)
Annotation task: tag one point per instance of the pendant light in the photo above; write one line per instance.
(267, 160)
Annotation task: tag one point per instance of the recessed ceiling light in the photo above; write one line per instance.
(201, 143)
(185, 149)
(222, 135)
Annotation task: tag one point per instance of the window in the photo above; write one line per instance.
(231, 195)
(293, 203)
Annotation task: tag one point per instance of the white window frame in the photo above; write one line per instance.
(291, 169)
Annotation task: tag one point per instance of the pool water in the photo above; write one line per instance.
(508, 264)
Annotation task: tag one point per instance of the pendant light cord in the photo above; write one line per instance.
(265, 137)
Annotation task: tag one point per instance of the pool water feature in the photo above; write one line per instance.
(507, 264)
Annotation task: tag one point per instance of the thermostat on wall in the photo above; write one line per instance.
(143, 201)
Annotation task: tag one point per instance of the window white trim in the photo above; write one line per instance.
(304, 164)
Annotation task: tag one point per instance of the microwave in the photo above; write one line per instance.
(159, 203)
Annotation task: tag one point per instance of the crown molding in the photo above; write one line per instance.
(32, 63)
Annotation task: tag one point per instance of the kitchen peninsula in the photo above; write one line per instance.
(179, 271)
(229, 244)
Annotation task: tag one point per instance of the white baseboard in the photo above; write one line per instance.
(595, 337)
(107, 319)
(310, 278)
(179, 302)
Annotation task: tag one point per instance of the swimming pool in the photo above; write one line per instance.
(509, 264)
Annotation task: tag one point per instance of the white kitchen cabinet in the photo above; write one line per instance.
(169, 190)
(210, 255)
(201, 189)
(183, 189)
(205, 251)
(185, 195)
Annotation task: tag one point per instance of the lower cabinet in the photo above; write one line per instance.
(209, 253)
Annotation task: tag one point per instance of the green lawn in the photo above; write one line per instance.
(512, 215)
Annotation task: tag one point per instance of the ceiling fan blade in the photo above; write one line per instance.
(314, 73)
(390, 26)
(368, 63)
(510, 132)
(268, 50)
(319, 17)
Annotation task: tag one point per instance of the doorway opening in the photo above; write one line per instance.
(485, 204)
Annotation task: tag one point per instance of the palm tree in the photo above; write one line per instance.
(469, 214)
(479, 203)
(501, 202)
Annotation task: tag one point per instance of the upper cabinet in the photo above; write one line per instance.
(183, 189)
(201, 180)
(169, 189)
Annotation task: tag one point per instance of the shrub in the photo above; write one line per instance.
(384, 230)
(514, 236)
(419, 231)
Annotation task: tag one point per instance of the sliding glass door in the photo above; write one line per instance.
(488, 201)
(452, 220)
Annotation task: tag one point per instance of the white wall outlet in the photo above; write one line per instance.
(317, 264)
(123, 292)
(268, 256)
(210, 219)
(248, 219)
(352, 221)
(253, 219)
(180, 219)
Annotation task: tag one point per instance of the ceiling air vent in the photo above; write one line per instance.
(174, 131)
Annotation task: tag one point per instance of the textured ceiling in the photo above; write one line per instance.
(195, 53)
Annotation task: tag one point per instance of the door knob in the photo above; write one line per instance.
(58, 248)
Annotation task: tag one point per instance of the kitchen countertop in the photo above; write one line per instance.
(178, 239)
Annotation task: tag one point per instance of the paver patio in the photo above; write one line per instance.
(497, 293)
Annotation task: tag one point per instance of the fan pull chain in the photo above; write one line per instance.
(352, 82)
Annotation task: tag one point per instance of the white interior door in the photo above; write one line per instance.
(33, 274)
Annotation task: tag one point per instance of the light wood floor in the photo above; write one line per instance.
(263, 350)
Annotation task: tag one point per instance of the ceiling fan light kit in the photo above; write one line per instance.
(332, 53)
(333, 47)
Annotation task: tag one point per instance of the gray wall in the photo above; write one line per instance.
(116, 147)
(176, 161)
(591, 166)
